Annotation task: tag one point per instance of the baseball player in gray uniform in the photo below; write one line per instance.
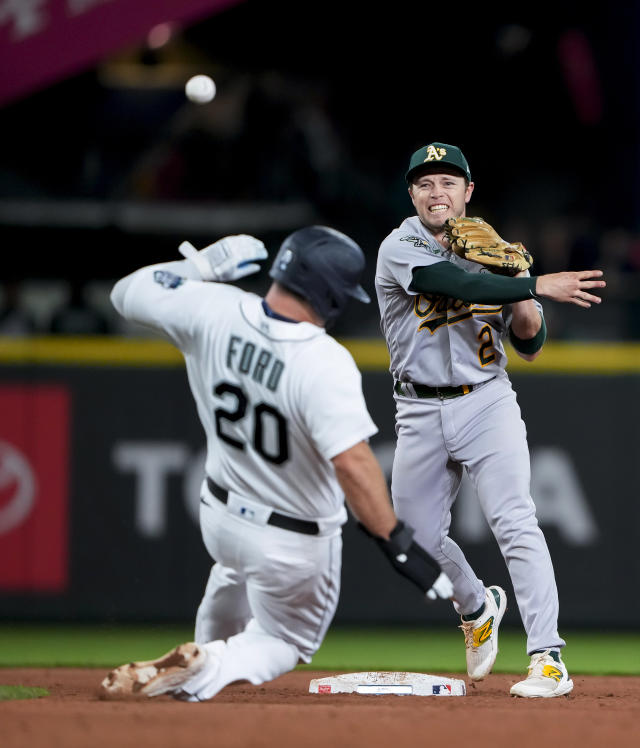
(444, 319)
(287, 429)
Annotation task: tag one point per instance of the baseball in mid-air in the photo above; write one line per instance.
(200, 89)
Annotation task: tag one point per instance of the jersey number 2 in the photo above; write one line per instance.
(263, 415)
(486, 353)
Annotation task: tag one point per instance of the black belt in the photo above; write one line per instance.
(423, 390)
(276, 519)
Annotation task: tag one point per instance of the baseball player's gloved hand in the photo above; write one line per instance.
(477, 241)
(413, 562)
(228, 259)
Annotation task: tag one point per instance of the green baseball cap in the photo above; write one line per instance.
(438, 153)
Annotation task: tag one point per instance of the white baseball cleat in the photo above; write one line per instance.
(547, 677)
(481, 635)
(167, 674)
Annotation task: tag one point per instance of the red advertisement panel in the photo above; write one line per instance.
(42, 41)
(34, 453)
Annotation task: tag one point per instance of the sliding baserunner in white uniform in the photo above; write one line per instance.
(287, 428)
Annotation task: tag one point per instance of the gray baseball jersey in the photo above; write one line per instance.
(438, 341)
(433, 340)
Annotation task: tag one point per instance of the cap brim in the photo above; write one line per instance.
(359, 293)
(435, 166)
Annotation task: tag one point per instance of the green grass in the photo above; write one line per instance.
(9, 693)
(62, 645)
(429, 650)
(442, 650)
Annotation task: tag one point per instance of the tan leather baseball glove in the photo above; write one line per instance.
(476, 240)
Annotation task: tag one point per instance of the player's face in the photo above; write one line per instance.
(440, 195)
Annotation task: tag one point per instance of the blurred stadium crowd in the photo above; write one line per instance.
(114, 165)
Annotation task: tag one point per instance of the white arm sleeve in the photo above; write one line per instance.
(165, 299)
(182, 268)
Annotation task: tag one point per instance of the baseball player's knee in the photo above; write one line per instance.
(512, 534)
(506, 512)
(431, 540)
(436, 546)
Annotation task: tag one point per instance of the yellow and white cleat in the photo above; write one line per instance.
(547, 677)
(481, 634)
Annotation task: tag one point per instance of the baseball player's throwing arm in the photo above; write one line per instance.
(366, 493)
(477, 241)
(445, 279)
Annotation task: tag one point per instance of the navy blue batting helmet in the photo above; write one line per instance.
(323, 266)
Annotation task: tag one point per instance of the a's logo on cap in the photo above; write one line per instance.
(435, 154)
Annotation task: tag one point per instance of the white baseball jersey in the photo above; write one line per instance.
(277, 400)
(434, 340)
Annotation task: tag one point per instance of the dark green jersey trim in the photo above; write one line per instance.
(446, 279)
(532, 345)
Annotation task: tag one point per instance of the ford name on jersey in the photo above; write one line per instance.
(260, 364)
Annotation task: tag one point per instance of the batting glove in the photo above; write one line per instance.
(441, 588)
(228, 259)
(412, 561)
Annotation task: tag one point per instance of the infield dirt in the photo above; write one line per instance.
(601, 711)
